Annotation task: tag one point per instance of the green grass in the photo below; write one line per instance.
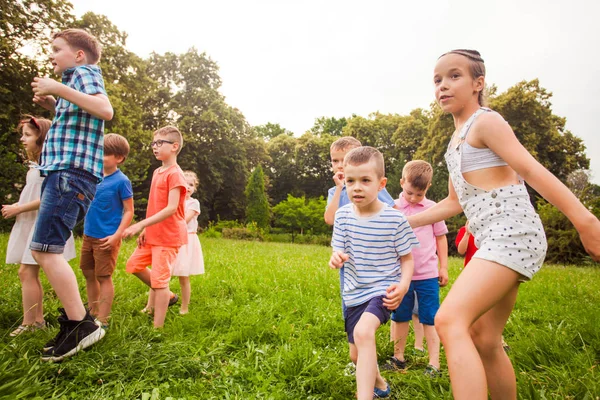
(265, 323)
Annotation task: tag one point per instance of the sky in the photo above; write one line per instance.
(290, 62)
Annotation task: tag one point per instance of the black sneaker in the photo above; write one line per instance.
(76, 336)
(394, 364)
(52, 342)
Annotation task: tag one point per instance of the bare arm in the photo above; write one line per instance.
(111, 240)
(441, 243)
(96, 104)
(463, 245)
(12, 210)
(169, 210)
(501, 139)
(397, 291)
(333, 205)
(449, 207)
(189, 214)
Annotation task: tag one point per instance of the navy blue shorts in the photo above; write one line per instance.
(352, 314)
(428, 291)
(66, 197)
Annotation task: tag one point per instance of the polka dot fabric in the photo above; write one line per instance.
(506, 228)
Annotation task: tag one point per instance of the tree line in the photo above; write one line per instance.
(224, 149)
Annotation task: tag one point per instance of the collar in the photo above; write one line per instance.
(66, 75)
(406, 204)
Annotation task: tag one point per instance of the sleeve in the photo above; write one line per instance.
(126, 191)
(330, 193)
(88, 81)
(195, 206)
(176, 179)
(440, 228)
(385, 197)
(337, 239)
(460, 235)
(405, 239)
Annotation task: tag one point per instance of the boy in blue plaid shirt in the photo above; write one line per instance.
(71, 160)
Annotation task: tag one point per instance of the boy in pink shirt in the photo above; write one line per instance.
(427, 279)
(164, 230)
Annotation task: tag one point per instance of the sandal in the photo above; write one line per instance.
(147, 311)
(28, 328)
(432, 372)
(380, 394)
(173, 299)
(394, 364)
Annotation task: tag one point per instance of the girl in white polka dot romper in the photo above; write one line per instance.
(487, 166)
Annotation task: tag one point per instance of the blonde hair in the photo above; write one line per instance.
(476, 68)
(81, 40)
(171, 133)
(344, 143)
(363, 155)
(193, 176)
(116, 145)
(41, 126)
(418, 173)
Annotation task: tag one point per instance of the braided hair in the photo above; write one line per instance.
(476, 67)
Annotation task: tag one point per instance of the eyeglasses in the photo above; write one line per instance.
(160, 142)
(34, 123)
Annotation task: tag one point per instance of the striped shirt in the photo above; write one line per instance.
(76, 138)
(374, 245)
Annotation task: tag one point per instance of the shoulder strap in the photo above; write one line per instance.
(467, 126)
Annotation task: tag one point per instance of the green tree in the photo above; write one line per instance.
(329, 126)
(270, 130)
(257, 209)
(291, 214)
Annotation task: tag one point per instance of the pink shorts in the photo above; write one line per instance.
(160, 258)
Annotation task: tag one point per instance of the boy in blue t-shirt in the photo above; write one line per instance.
(109, 214)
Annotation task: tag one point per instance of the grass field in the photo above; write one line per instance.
(265, 323)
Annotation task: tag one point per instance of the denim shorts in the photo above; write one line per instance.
(66, 197)
(428, 291)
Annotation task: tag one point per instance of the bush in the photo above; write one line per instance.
(211, 231)
(249, 232)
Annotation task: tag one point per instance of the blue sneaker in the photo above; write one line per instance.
(381, 394)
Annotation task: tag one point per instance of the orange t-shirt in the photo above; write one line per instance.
(170, 232)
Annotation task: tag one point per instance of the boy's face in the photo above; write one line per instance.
(410, 193)
(64, 56)
(112, 162)
(363, 184)
(163, 148)
(337, 159)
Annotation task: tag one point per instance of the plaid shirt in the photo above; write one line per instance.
(76, 138)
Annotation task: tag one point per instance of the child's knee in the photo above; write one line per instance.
(27, 273)
(363, 334)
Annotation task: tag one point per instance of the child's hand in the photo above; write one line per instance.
(338, 178)
(44, 86)
(131, 231)
(10, 210)
(467, 231)
(443, 278)
(109, 242)
(47, 102)
(395, 294)
(590, 237)
(337, 259)
(141, 240)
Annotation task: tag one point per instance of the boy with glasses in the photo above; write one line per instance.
(164, 230)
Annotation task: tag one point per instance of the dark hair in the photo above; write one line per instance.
(116, 145)
(81, 40)
(171, 133)
(363, 155)
(476, 67)
(42, 126)
(418, 173)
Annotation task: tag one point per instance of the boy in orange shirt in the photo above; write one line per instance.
(163, 231)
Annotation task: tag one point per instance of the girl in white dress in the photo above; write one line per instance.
(189, 259)
(33, 132)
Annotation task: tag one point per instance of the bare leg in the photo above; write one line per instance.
(473, 294)
(93, 290)
(105, 300)
(162, 297)
(419, 332)
(399, 331)
(63, 281)
(186, 291)
(433, 345)
(32, 294)
(367, 372)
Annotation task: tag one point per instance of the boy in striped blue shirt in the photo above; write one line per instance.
(373, 242)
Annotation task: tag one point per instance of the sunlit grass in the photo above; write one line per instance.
(265, 323)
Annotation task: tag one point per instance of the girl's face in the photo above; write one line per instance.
(190, 187)
(29, 136)
(455, 88)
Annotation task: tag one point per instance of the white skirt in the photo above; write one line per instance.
(189, 258)
(17, 250)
